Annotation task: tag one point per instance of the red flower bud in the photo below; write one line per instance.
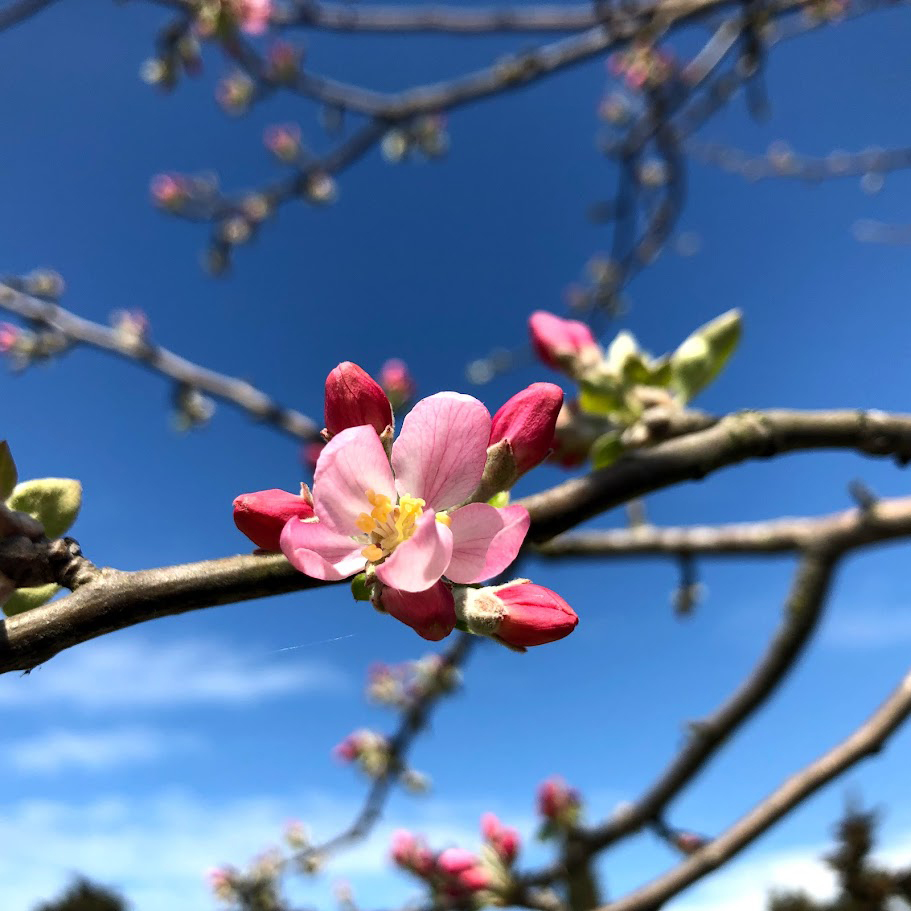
(560, 342)
(353, 399)
(410, 853)
(9, 335)
(397, 382)
(454, 861)
(534, 615)
(503, 839)
(261, 516)
(527, 421)
(558, 802)
(430, 613)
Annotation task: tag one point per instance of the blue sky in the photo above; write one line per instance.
(148, 756)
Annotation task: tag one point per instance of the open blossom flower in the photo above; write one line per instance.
(404, 519)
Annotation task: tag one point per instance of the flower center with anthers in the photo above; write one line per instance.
(388, 524)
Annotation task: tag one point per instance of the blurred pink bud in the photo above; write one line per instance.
(688, 842)
(474, 879)
(397, 382)
(169, 191)
(261, 516)
(253, 15)
(560, 342)
(9, 335)
(557, 801)
(430, 613)
(503, 839)
(454, 861)
(284, 60)
(527, 421)
(283, 141)
(534, 615)
(410, 853)
(353, 399)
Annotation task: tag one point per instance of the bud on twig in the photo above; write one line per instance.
(563, 344)
(354, 399)
(261, 516)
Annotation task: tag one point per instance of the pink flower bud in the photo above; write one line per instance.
(169, 191)
(253, 15)
(474, 879)
(397, 382)
(527, 421)
(9, 334)
(689, 842)
(261, 516)
(353, 399)
(557, 801)
(283, 141)
(503, 839)
(430, 613)
(534, 615)
(454, 861)
(403, 844)
(562, 342)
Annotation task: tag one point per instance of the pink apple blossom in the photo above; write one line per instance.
(404, 519)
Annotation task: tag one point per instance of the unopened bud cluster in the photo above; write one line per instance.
(401, 686)
(456, 876)
(627, 398)
(425, 136)
(367, 749)
(559, 806)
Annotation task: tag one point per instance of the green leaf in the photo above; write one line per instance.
(606, 449)
(359, 587)
(499, 500)
(24, 599)
(620, 350)
(603, 397)
(702, 356)
(9, 477)
(54, 502)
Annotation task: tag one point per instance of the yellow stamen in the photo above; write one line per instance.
(388, 524)
(444, 519)
(372, 553)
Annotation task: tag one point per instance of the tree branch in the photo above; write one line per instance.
(733, 439)
(741, 539)
(867, 740)
(79, 331)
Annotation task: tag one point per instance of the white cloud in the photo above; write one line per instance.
(746, 886)
(131, 673)
(57, 750)
(156, 850)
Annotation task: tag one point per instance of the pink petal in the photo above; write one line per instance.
(317, 550)
(352, 463)
(420, 561)
(485, 541)
(442, 449)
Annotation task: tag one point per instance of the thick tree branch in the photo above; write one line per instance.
(733, 439)
(118, 600)
(741, 539)
(866, 741)
(16, 12)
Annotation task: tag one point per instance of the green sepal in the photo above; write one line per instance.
(603, 397)
(25, 599)
(702, 356)
(359, 587)
(499, 500)
(54, 502)
(9, 477)
(606, 449)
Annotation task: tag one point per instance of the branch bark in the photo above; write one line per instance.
(866, 741)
